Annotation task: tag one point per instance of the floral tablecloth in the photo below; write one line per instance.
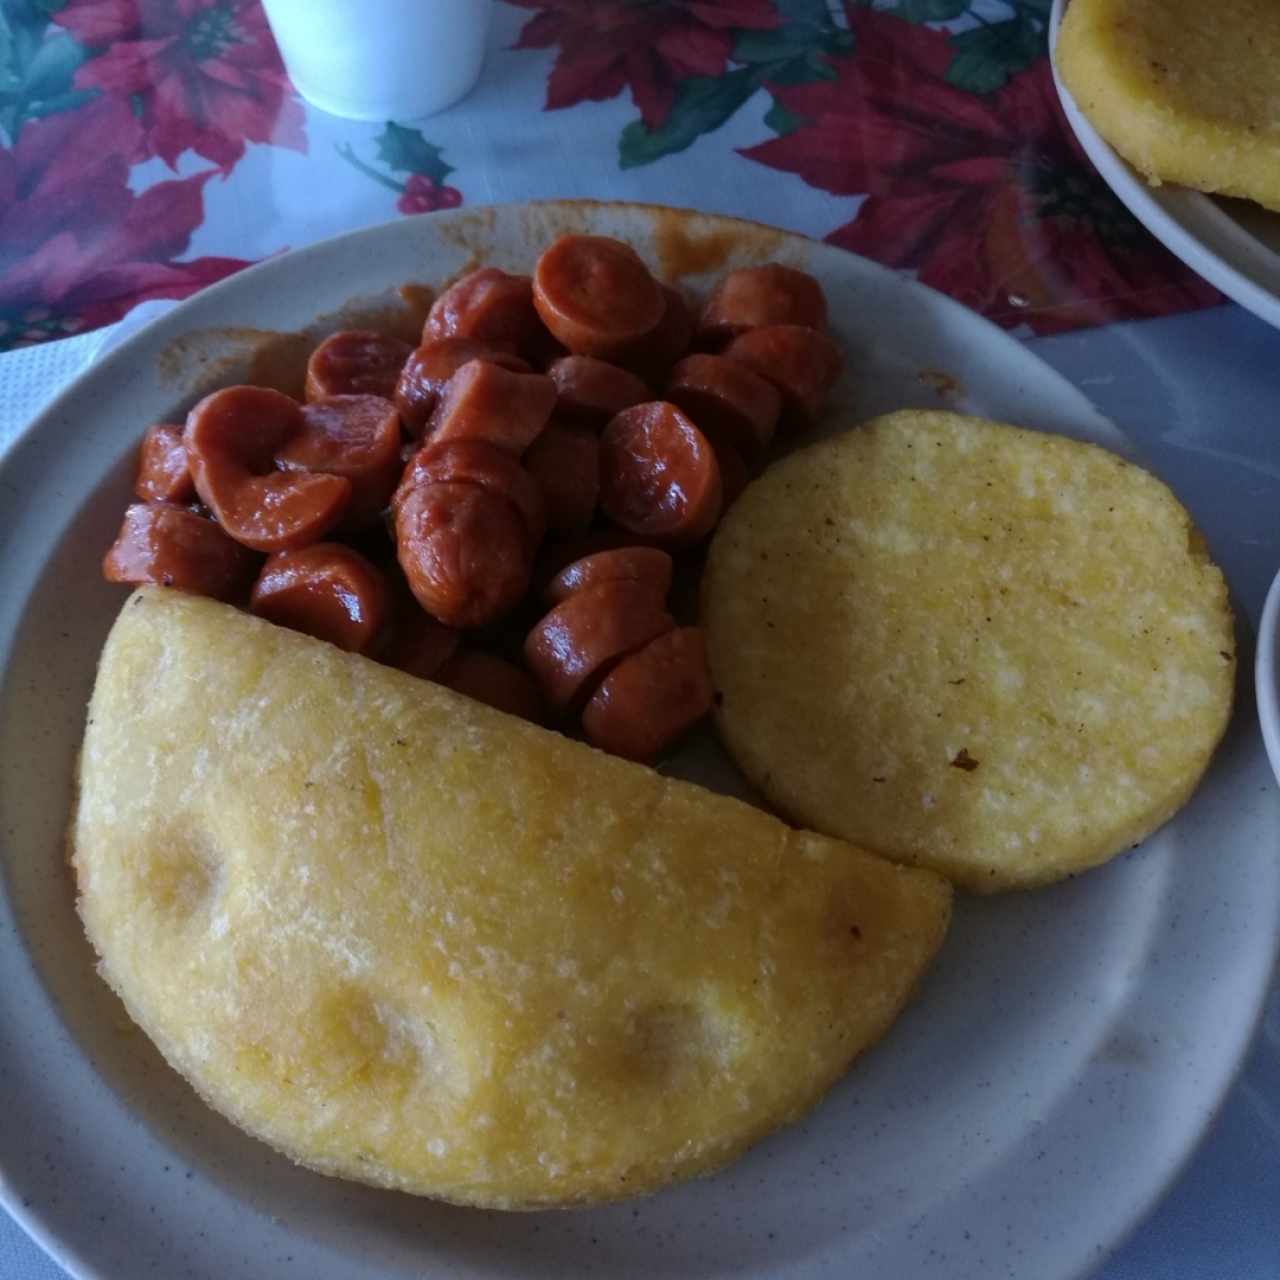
(151, 147)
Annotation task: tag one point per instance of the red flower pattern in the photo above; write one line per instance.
(425, 195)
(78, 248)
(205, 75)
(647, 46)
(988, 199)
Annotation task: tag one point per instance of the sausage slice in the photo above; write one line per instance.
(231, 438)
(488, 305)
(592, 391)
(802, 363)
(464, 551)
(753, 297)
(163, 474)
(170, 547)
(495, 682)
(658, 474)
(647, 565)
(484, 401)
(353, 436)
(564, 463)
(325, 590)
(579, 638)
(596, 295)
(652, 698)
(356, 362)
(427, 369)
(730, 403)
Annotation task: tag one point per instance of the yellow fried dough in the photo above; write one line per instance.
(998, 653)
(1187, 92)
(410, 940)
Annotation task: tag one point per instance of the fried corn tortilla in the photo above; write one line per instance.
(1187, 92)
(998, 653)
(410, 940)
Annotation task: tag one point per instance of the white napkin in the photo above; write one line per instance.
(32, 376)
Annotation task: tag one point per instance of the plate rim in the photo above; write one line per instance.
(29, 1217)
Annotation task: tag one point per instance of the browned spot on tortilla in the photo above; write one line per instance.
(965, 761)
(688, 244)
(942, 383)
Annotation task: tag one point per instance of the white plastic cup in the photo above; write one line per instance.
(381, 59)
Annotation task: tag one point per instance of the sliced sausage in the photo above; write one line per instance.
(427, 369)
(592, 391)
(579, 638)
(495, 682)
(596, 295)
(418, 643)
(658, 474)
(325, 590)
(755, 297)
(356, 362)
(163, 474)
(646, 565)
(488, 305)
(564, 463)
(731, 403)
(170, 547)
(652, 698)
(231, 438)
(653, 355)
(484, 401)
(475, 462)
(353, 436)
(464, 552)
(802, 363)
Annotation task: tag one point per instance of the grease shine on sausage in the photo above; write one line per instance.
(326, 590)
(659, 476)
(430, 367)
(356, 362)
(647, 565)
(484, 401)
(231, 438)
(488, 305)
(163, 474)
(802, 363)
(171, 547)
(596, 295)
(465, 552)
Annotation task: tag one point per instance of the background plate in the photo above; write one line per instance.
(1062, 1060)
(1234, 244)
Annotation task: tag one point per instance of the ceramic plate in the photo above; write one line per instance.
(1061, 1061)
(1267, 674)
(1234, 244)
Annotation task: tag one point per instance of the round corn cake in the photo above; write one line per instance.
(998, 653)
(1187, 92)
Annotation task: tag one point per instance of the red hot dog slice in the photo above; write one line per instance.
(484, 401)
(356, 362)
(474, 462)
(565, 465)
(591, 391)
(579, 638)
(170, 547)
(734, 475)
(495, 682)
(163, 474)
(596, 295)
(659, 476)
(430, 367)
(464, 552)
(231, 438)
(353, 436)
(651, 698)
(802, 363)
(419, 644)
(653, 355)
(646, 565)
(753, 297)
(731, 403)
(488, 305)
(325, 590)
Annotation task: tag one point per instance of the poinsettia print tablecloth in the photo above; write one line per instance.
(151, 147)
